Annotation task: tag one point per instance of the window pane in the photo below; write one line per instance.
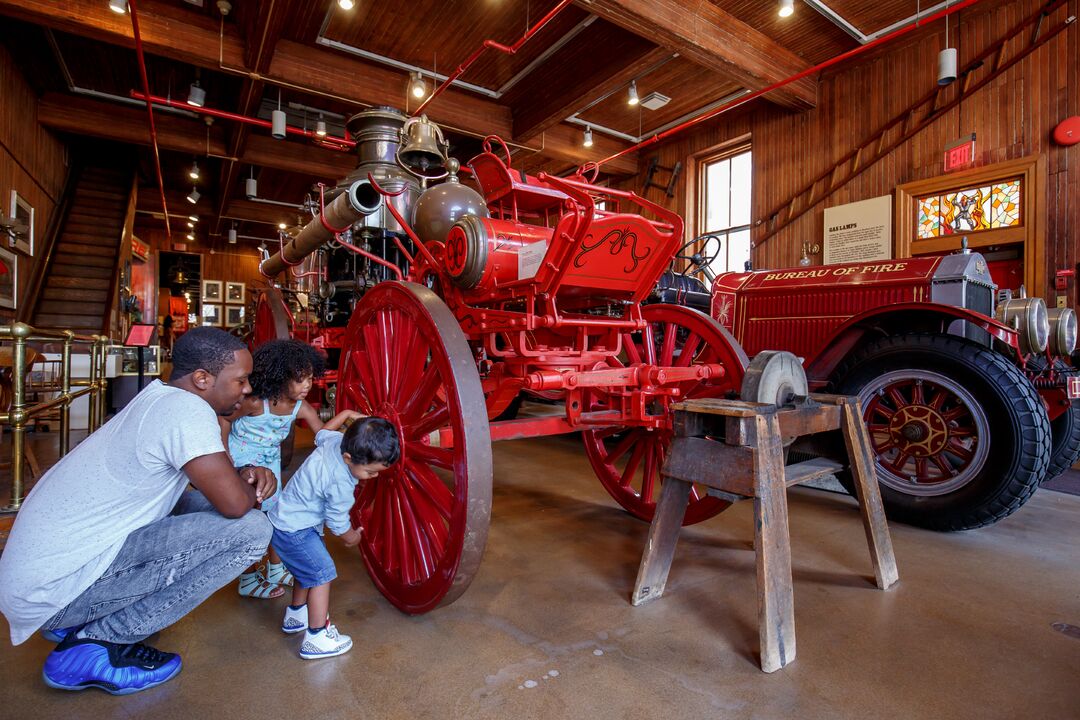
(738, 250)
(717, 190)
(740, 190)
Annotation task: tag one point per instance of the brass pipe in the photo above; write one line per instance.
(65, 386)
(19, 332)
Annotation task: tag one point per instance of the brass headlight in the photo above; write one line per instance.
(1062, 330)
(1028, 317)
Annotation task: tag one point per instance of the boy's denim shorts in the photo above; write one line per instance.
(305, 554)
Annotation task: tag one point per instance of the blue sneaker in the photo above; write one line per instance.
(57, 634)
(77, 664)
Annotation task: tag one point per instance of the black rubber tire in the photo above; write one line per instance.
(1019, 446)
(1064, 429)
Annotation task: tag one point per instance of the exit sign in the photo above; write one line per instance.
(960, 154)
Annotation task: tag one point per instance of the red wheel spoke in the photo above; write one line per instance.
(619, 450)
(433, 488)
(406, 554)
(420, 402)
(917, 394)
(430, 422)
(376, 379)
(878, 409)
(955, 413)
(388, 352)
(649, 473)
(632, 352)
(425, 560)
(431, 517)
(362, 376)
(648, 342)
(437, 456)
(920, 468)
(945, 467)
(631, 465)
(899, 462)
(939, 399)
(874, 427)
(402, 359)
(358, 399)
(667, 347)
(689, 348)
(958, 432)
(895, 395)
(608, 432)
(959, 450)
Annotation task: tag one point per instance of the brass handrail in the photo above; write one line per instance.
(17, 417)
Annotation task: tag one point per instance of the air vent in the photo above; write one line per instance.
(655, 101)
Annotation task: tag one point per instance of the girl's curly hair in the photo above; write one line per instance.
(277, 362)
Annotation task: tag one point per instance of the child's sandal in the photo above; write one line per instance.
(278, 574)
(254, 585)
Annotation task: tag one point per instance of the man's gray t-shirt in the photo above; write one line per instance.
(123, 477)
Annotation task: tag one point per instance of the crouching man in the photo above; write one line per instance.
(109, 548)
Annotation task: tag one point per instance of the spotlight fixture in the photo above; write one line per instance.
(588, 137)
(633, 98)
(193, 196)
(417, 86)
(277, 121)
(196, 95)
(193, 218)
(118, 6)
(251, 186)
(232, 235)
(190, 237)
(282, 226)
(194, 172)
(320, 127)
(787, 7)
(345, 4)
(191, 224)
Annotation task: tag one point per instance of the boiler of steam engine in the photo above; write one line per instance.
(440, 206)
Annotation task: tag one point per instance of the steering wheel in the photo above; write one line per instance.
(700, 261)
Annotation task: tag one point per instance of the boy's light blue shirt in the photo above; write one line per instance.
(321, 491)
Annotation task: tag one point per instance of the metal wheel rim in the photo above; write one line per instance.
(425, 531)
(634, 491)
(967, 423)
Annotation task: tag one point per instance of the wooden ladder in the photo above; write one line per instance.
(749, 463)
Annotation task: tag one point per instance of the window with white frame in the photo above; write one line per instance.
(724, 182)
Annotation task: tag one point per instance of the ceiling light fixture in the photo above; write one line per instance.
(282, 226)
(633, 99)
(417, 86)
(345, 4)
(588, 137)
(787, 7)
(251, 186)
(118, 6)
(193, 218)
(232, 234)
(190, 237)
(190, 224)
(193, 196)
(320, 127)
(196, 95)
(194, 172)
(277, 121)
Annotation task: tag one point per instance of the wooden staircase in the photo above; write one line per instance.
(82, 271)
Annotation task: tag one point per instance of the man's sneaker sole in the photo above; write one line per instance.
(328, 653)
(109, 687)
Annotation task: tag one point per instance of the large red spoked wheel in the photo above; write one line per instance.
(273, 320)
(628, 460)
(426, 518)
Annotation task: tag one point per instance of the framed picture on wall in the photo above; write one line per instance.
(234, 292)
(234, 315)
(9, 274)
(23, 212)
(211, 291)
(211, 315)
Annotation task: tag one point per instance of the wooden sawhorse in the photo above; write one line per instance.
(749, 463)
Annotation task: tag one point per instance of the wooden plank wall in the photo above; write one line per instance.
(1012, 117)
(239, 263)
(33, 162)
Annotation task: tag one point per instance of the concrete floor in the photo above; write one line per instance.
(546, 629)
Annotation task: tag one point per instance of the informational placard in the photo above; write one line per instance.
(529, 258)
(859, 231)
(140, 335)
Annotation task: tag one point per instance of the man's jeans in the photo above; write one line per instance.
(165, 569)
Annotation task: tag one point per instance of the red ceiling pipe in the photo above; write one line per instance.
(508, 49)
(781, 83)
(150, 112)
(225, 115)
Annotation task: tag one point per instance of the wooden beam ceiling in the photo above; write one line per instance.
(108, 121)
(715, 39)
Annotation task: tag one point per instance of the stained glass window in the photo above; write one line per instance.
(986, 207)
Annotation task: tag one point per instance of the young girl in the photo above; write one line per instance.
(281, 377)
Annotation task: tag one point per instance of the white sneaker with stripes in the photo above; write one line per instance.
(326, 643)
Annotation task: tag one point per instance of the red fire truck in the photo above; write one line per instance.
(968, 412)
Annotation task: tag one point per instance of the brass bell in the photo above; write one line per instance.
(423, 149)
